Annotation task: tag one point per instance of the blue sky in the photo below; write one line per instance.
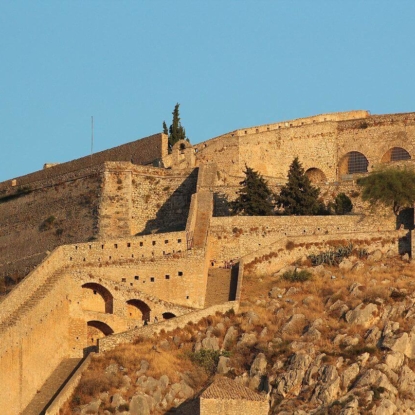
(230, 64)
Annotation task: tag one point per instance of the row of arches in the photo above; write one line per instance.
(356, 162)
(96, 297)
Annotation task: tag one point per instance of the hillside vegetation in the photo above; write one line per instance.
(338, 341)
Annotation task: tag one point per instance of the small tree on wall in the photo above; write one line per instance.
(298, 196)
(389, 187)
(255, 197)
(176, 131)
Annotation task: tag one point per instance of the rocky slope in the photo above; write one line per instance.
(342, 342)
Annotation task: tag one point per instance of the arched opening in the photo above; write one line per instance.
(168, 315)
(316, 175)
(353, 162)
(395, 154)
(138, 310)
(97, 330)
(95, 297)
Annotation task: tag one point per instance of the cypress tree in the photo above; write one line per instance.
(165, 130)
(298, 196)
(176, 131)
(254, 198)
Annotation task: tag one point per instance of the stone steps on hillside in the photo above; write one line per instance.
(30, 302)
(55, 382)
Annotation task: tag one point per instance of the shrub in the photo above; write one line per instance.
(208, 359)
(297, 276)
(47, 223)
(342, 204)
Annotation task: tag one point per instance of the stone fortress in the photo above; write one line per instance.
(132, 234)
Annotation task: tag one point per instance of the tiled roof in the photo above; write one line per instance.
(225, 388)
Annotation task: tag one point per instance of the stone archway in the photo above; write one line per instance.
(353, 162)
(138, 310)
(96, 297)
(395, 154)
(97, 330)
(316, 175)
(167, 315)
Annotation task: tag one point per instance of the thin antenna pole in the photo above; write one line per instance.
(92, 134)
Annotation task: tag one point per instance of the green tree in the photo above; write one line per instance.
(176, 131)
(255, 197)
(392, 187)
(165, 130)
(342, 204)
(298, 196)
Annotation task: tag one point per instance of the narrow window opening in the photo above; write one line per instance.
(180, 273)
(136, 277)
(123, 280)
(151, 279)
(179, 241)
(154, 242)
(128, 245)
(115, 245)
(166, 241)
(167, 277)
(141, 244)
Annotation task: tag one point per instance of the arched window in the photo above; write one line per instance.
(354, 162)
(96, 297)
(138, 310)
(97, 330)
(316, 175)
(396, 154)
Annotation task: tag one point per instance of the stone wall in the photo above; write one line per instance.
(233, 407)
(143, 151)
(44, 218)
(109, 342)
(321, 144)
(287, 250)
(137, 199)
(236, 236)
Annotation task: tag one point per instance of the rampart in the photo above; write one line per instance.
(110, 342)
(143, 151)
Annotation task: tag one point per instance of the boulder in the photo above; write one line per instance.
(223, 368)
(277, 292)
(210, 343)
(295, 324)
(230, 338)
(394, 360)
(364, 315)
(349, 375)
(259, 366)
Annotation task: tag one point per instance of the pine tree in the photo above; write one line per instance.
(298, 196)
(255, 198)
(176, 132)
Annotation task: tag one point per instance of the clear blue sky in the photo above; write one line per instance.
(230, 64)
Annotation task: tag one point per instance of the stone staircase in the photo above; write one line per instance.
(204, 213)
(30, 302)
(221, 285)
(52, 386)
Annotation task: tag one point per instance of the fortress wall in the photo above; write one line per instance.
(30, 352)
(69, 206)
(234, 237)
(223, 150)
(272, 152)
(177, 278)
(110, 342)
(143, 151)
(275, 256)
(146, 247)
(161, 203)
(376, 135)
